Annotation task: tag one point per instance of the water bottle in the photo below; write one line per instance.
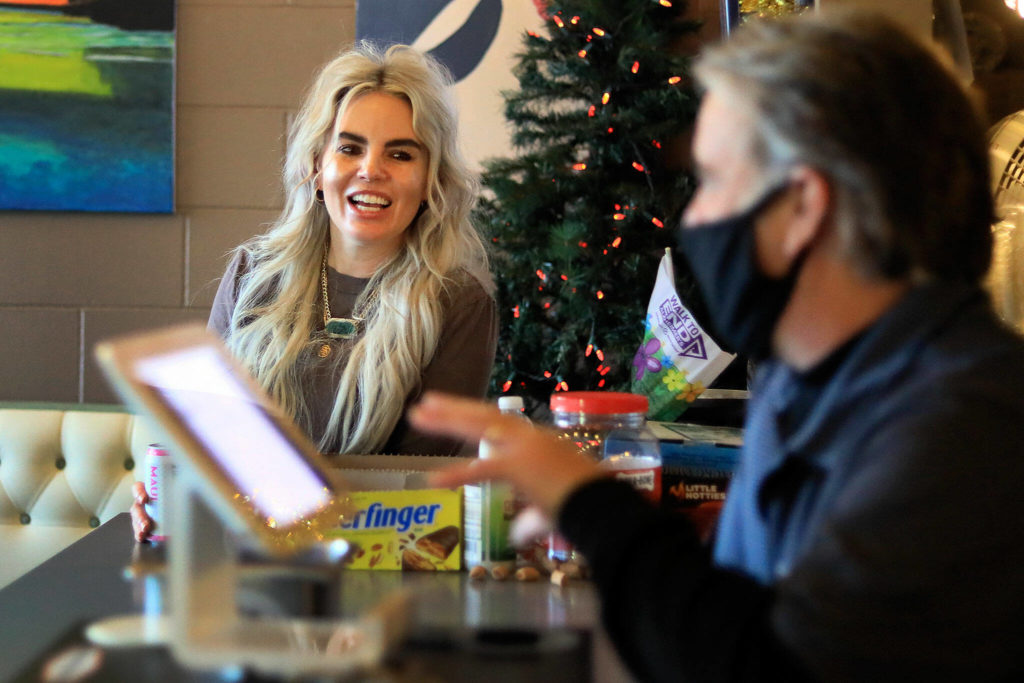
(490, 508)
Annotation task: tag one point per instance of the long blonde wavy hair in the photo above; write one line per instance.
(277, 319)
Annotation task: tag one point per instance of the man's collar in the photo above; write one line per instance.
(877, 357)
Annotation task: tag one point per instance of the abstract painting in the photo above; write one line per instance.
(87, 105)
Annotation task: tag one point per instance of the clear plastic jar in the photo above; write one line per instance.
(610, 427)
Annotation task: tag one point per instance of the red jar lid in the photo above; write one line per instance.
(598, 402)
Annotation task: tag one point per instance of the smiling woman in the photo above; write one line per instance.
(372, 285)
(372, 176)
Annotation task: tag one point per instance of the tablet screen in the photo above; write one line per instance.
(237, 433)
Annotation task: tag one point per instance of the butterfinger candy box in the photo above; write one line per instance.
(419, 530)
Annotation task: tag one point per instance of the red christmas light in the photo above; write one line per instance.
(638, 166)
(558, 21)
(515, 312)
(610, 129)
(506, 386)
(547, 374)
(605, 97)
(616, 242)
(600, 384)
(619, 216)
(598, 31)
(565, 278)
(664, 3)
(600, 355)
(605, 371)
(541, 275)
(656, 144)
(600, 294)
(635, 67)
(564, 385)
(575, 20)
(582, 54)
(579, 167)
(592, 110)
(657, 222)
(674, 80)
(590, 349)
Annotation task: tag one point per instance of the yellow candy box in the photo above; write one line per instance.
(418, 530)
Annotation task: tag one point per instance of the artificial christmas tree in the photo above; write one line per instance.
(580, 215)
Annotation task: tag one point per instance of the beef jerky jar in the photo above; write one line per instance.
(610, 427)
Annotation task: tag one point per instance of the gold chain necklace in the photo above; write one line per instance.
(336, 328)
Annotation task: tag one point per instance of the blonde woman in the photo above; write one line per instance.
(372, 286)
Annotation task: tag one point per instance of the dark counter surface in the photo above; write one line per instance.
(460, 628)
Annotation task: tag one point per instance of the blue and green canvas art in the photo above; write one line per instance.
(87, 105)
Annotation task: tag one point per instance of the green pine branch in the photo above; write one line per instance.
(579, 217)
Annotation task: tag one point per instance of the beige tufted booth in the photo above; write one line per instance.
(64, 470)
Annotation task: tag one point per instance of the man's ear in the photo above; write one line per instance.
(811, 209)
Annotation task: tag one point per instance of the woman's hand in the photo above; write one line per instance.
(142, 525)
(545, 469)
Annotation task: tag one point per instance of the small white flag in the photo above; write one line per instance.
(676, 359)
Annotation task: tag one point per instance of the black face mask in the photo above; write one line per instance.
(744, 304)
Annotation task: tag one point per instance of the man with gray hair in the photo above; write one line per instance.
(874, 529)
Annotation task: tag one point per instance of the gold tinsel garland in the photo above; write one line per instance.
(771, 8)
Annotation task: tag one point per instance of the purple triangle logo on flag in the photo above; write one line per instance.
(683, 329)
(695, 349)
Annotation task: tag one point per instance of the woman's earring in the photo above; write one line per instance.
(320, 195)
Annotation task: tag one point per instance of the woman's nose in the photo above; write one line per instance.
(370, 168)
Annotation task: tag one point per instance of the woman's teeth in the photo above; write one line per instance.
(369, 202)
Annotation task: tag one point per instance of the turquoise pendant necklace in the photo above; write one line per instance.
(336, 328)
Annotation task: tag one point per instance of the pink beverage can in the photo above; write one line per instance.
(157, 475)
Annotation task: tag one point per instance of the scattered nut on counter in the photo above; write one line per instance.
(478, 572)
(527, 574)
(500, 572)
(559, 578)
